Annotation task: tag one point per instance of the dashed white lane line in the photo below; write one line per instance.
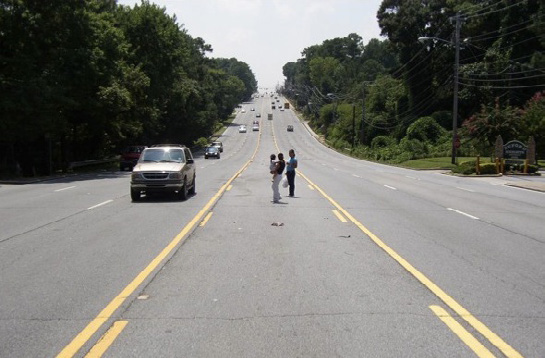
(390, 187)
(471, 191)
(465, 214)
(103, 203)
(356, 176)
(69, 187)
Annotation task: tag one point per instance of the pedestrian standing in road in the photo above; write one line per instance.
(291, 164)
(272, 166)
(279, 169)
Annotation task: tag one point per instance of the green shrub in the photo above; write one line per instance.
(415, 147)
(340, 143)
(201, 142)
(465, 168)
(403, 157)
(487, 168)
(383, 142)
(532, 169)
(425, 129)
(509, 168)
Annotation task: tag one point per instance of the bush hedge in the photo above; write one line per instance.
(465, 168)
(487, 168)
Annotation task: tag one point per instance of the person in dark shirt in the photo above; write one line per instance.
(291, 164)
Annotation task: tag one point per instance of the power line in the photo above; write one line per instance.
(518, 3)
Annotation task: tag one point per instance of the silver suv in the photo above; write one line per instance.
(164, 168)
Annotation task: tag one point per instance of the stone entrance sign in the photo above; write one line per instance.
(514, 152)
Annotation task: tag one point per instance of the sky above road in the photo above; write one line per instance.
(266, 34)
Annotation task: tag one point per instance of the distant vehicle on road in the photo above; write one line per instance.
(217, 144)
(258, 115)
(290, 128)
(255, 127)
(211, 152)
(242, 128)
(130, 156)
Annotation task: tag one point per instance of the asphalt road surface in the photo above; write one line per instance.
(366, 260)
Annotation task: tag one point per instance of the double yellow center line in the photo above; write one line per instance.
(106, 314)
(480, 327)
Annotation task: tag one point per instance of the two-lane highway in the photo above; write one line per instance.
(366, 260)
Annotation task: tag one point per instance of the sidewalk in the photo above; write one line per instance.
(34, 180)
(536, 186)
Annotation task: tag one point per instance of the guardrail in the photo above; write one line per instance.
(87, 163)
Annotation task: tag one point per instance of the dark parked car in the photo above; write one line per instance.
(290, 128)
(130, 156)
(212, 152)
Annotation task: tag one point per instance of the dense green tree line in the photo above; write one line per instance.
(81, 79)
(404, 81)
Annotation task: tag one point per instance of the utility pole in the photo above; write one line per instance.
(455, 140)
(353, 126)
(362, 138)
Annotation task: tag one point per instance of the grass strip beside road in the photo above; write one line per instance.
(438, 163)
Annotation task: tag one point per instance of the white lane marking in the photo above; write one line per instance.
(69, 187)
(103, 203)
(390, 187)
(410, 177)
(336, 169)
(466, 214)
(356, 176)
(498, 182)
(471, 191)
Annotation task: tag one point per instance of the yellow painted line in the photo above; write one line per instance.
(107, 339)
(339, 216)
(206, 218)
(229, 187)
(449, 301)
(311, 187)
(92, 327)
(466, 337)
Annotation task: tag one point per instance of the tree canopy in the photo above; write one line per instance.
(81, 79)
(409, 74)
